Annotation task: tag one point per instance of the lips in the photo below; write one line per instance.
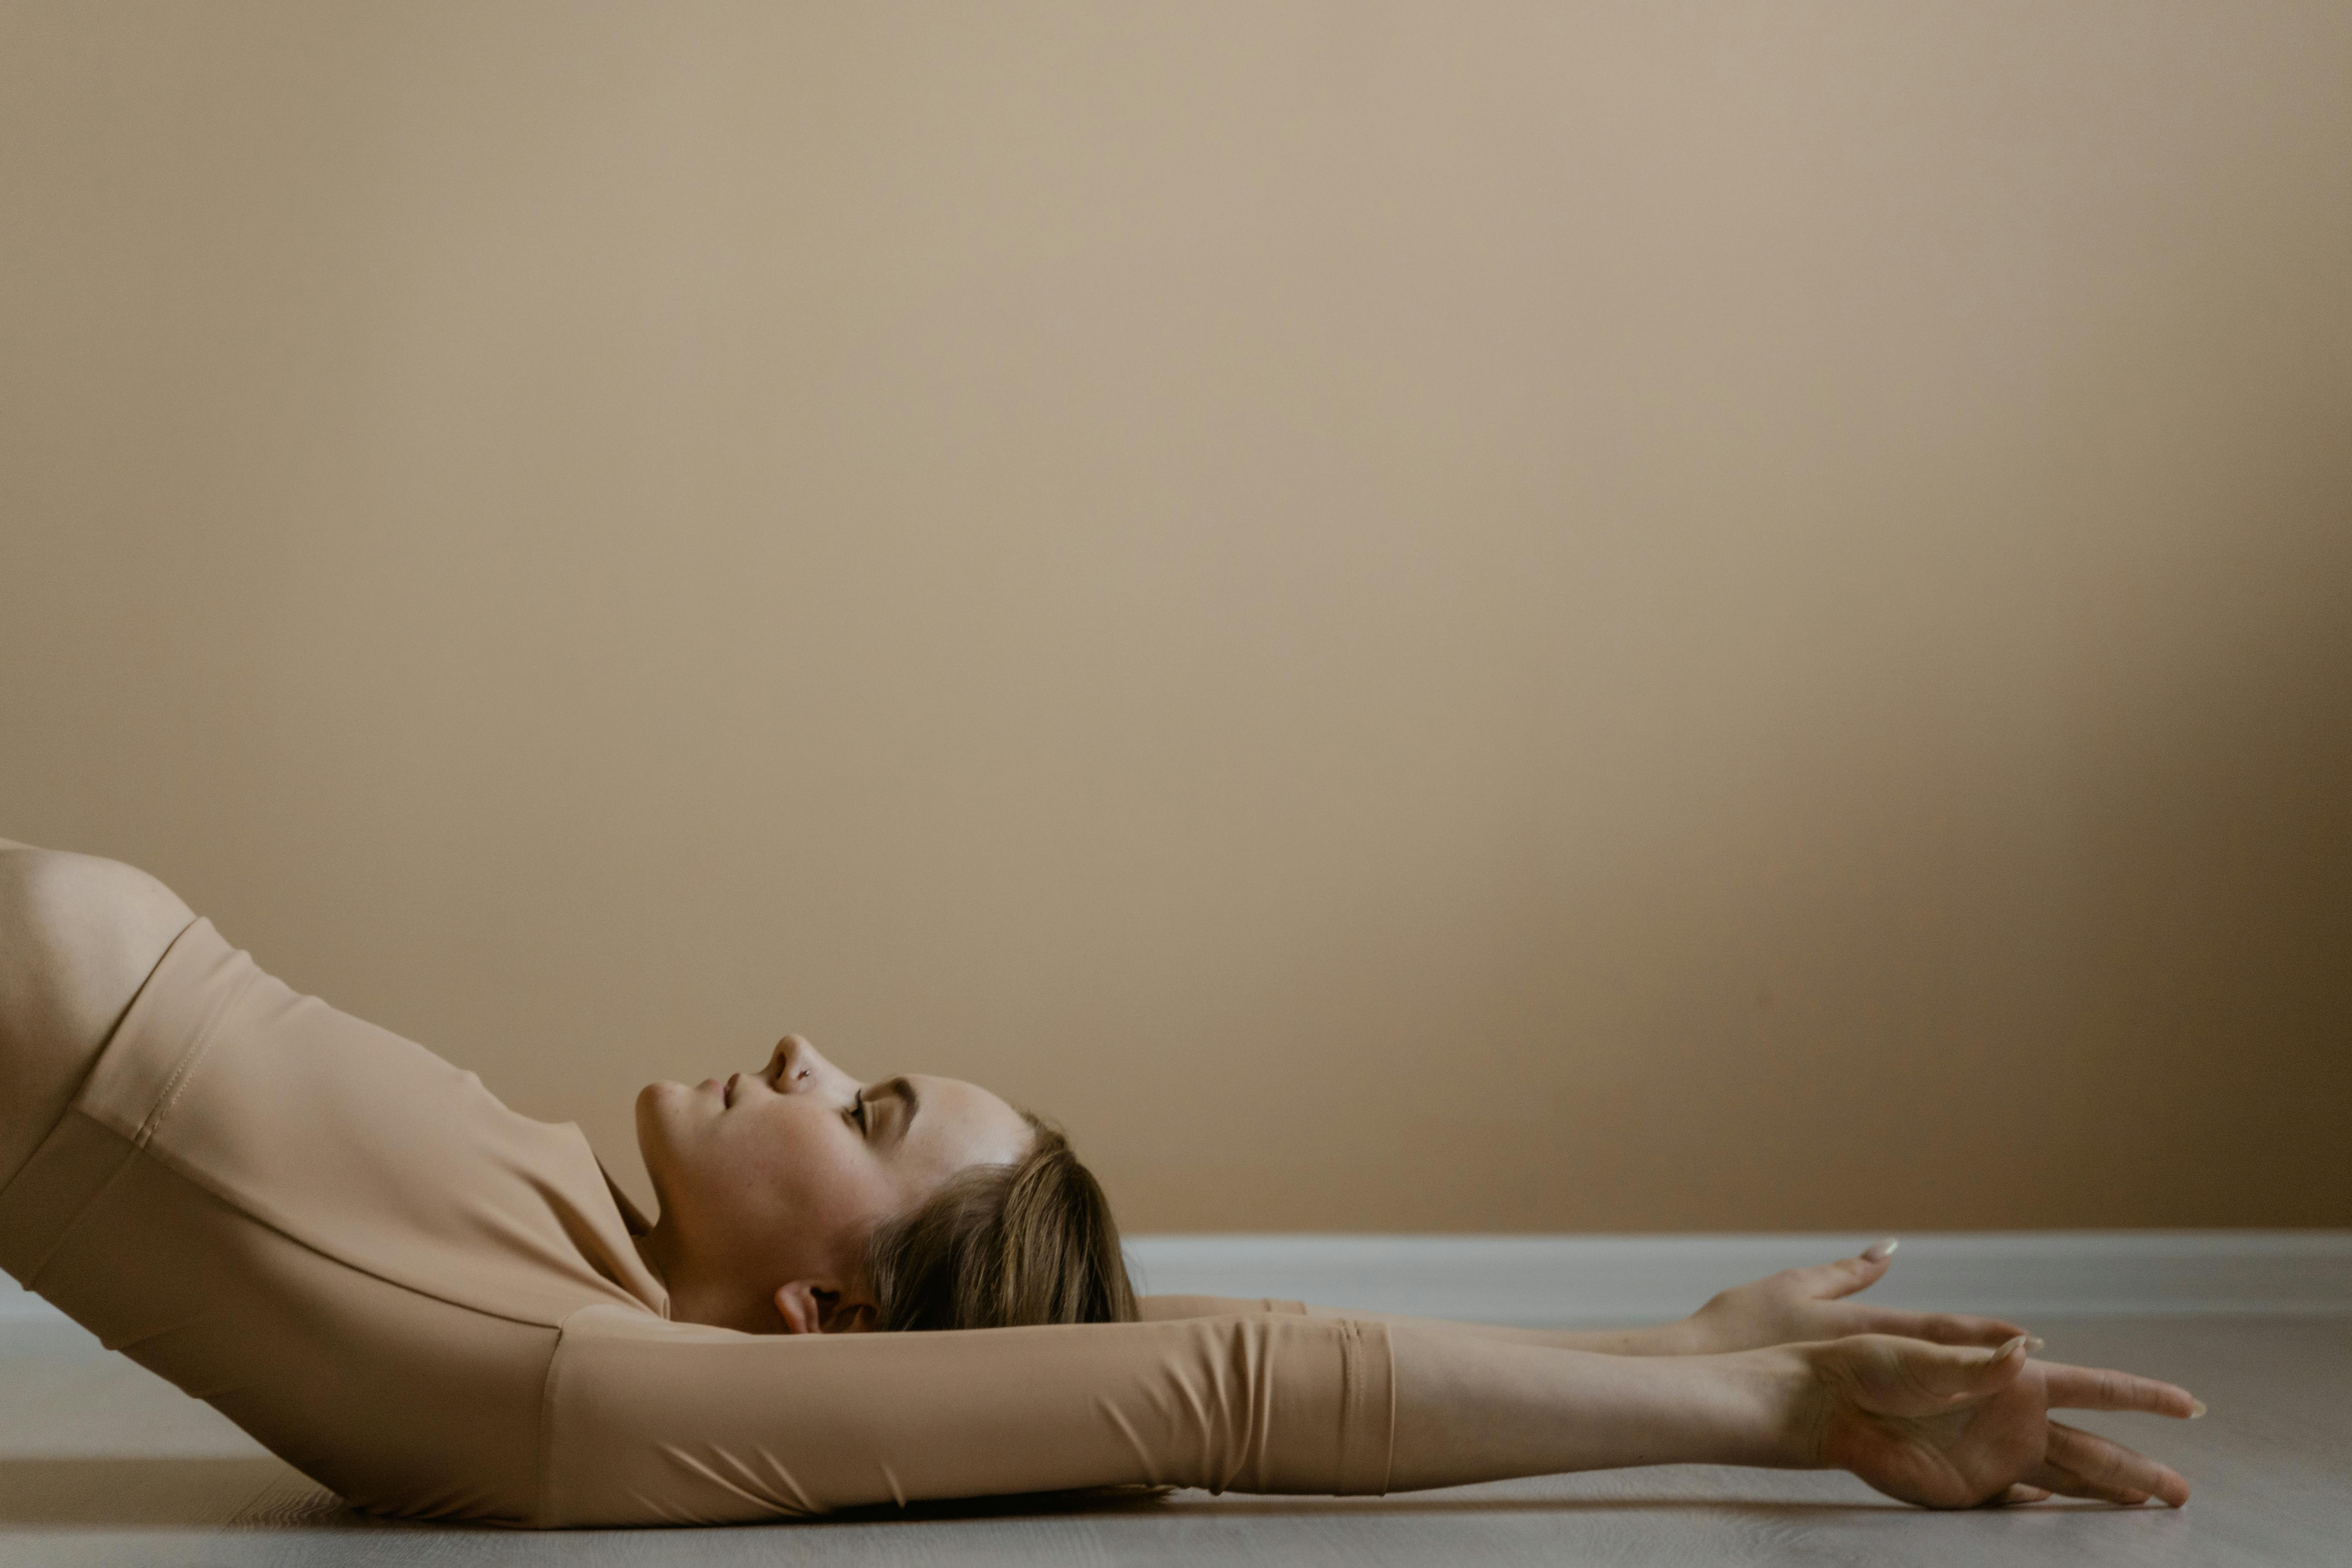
(728, 1094)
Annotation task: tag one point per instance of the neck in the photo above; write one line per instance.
(695, 1296)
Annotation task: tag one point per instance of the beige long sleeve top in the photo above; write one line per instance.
(434, 1305)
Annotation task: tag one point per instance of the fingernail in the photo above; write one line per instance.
(2034, 1342)
(2196, 1409)
(1879, 1251)
(2011, 1348)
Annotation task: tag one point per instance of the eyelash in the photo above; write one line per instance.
(856, 1113)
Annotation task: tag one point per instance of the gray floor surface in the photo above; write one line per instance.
(101, 1463)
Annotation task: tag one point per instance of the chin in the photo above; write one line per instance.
(652, 1124)
(649, 1104)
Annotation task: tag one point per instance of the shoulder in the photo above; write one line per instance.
(78, 934)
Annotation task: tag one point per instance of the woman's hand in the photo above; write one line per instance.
(1947, 1427)
(1800, 1305)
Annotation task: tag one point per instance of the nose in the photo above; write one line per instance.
(796, 1066)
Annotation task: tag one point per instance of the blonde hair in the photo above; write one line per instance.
(1004, 1246)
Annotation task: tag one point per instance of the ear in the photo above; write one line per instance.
(821, 1307)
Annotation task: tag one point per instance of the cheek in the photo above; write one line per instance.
(792, 1170)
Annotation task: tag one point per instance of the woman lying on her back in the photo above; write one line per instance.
(438, 1307)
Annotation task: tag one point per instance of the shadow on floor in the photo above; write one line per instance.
(261, 1492)
(1201, 1505)
(131, 1493)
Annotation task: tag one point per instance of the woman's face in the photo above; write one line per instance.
(777, 1178)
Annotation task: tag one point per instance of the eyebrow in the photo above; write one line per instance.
(911, 1101)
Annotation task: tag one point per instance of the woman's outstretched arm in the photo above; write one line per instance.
(1794, 1306)
(651, 1422)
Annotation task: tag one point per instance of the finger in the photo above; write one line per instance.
(2020, 1493)
(2095, 1388)
(2110, 1464)
(1944, 1328)
(2054, 1478)
(1827, 1282)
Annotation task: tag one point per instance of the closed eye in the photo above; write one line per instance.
(859, 1115)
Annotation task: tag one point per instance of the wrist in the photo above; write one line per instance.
(1746, 1407)
(1781, 1390)
(1763, 1407)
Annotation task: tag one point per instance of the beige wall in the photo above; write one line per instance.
(1435, 616)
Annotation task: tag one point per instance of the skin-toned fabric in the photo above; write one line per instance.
(437, 1308)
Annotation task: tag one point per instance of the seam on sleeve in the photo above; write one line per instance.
(1368, 1409)
(187, 1065)
(1351, 1407)
(544, 1470)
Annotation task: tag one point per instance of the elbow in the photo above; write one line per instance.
(79, 936)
